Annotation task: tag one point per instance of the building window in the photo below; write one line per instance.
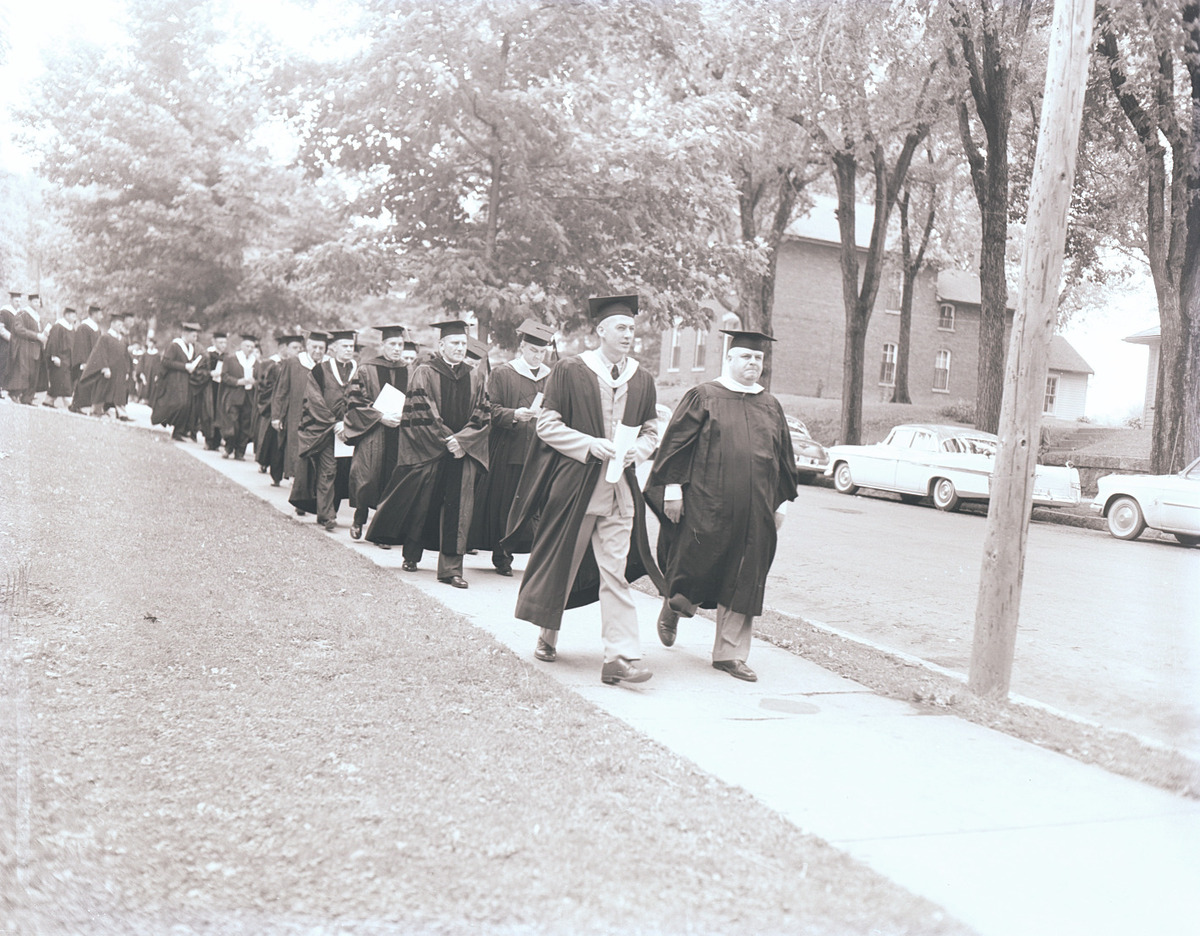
(941, 372)
(887, 368)
(700, 358)
(676, 349)
(1051, 395)
(946, 317)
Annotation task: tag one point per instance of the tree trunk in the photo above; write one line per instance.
(845, 170)
(993, 294)
(900, 394)
(911, 266)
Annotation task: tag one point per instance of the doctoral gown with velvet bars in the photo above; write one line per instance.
(375, 445)
(442, 401)
(553, 496)
(732, 454)
(511, 442)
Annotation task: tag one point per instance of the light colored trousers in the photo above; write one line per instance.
(609, 537)
(734, 631)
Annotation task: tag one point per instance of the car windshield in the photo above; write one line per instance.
(1192, 471)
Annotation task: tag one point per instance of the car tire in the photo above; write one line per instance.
(843, 481)
(1187, 539)
(911, 498)
(1125, 519)
(944, 496)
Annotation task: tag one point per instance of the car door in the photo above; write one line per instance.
(878, 462)
(1179, 501)
(914, 465)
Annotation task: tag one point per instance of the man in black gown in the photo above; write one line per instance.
(724, 473)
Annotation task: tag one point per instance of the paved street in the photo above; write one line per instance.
(1109, 630)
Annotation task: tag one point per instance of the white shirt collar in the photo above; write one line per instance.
(730, 384)
(305, 360)
(603, 369)
(521, 366)
(114, 334)
(91, 324)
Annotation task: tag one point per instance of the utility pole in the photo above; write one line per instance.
(1003, 565)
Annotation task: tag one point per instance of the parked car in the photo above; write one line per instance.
(1170, 503)
(949, 464)
(812, 458)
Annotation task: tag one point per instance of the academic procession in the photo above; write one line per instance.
(434, 449)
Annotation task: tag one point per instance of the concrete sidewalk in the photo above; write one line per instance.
(1006, 836)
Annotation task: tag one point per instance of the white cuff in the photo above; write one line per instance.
(674, 492)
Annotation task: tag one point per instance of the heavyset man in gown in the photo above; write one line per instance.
(179, 393)
(588, 532)
(442, 450)
(720, 484)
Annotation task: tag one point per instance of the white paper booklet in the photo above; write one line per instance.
(623, 440)
(390, 401)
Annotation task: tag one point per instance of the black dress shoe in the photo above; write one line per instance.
(355, 531)
(681, 606)
(545, 652)
(623, 670)
(262, 469)
(224, 454)
(301, 513)
(409, 566)
(506, 571)
(668, 624)
(737, 669)
(329, 525)
(456, 580)
(384, 545)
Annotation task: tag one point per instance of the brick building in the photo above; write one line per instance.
(809, 323)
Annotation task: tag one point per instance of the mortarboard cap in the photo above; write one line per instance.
(601, 308)
(391, 331)
(754, 341)
(69, 311)
(317, 335)
(288, 339)
(33, 297)
(477, 349)
(535, 332)
(15, 294)
(220, 334)
(410, 346)
(454, 327)
(189, 326)
(93, 309)
(345, 334)
(246, 336)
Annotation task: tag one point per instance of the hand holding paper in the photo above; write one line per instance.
(624, 440)
(390, 401)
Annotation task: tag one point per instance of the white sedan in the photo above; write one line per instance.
(949, 464)
(1170, 503)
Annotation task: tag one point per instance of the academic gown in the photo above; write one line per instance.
(25, 354)
(267, 450)
(426, 477)
(232, 398)
(82, 342)
(61, 377)
(553, 495)
(211, 420)
(178, 397)
(323, 408)
(510, 444)
(375, 445)
(150, 368)
(732, 454)
(287, 405)
(7, 317)
(113, 390)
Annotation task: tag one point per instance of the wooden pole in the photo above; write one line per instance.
(1025, 381)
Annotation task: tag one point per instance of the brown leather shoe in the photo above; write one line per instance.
(737, 669)
(545, 652)
(623, 670)
(456, 580)
(668, 624)
(408, 566)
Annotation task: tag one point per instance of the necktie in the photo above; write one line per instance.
(616, 372)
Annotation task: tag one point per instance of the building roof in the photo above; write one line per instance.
(820, 223)
(962, 287)
(1146, 336)
(1063, 357)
